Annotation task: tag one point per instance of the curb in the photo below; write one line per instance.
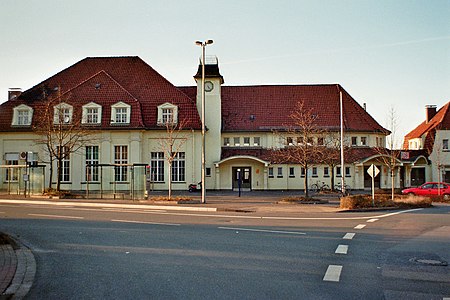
(111, 205)
(24, 275)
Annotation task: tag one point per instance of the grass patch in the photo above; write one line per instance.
(172, 199)
(384, 200)
(301, 200)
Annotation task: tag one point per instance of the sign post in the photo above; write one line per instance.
(373, 171)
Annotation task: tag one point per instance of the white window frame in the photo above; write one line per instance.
(18, 117)
(179, 167)
(92, 156)
(157, 166)
(256, 141)
(118, 108)
(121, 158)
(167, 113)
(65, 164)
(87, 114)
(62, 113)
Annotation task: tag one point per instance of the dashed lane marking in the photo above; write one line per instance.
(349, 236)
(262, 230)
(56, 216)
(143, 222)
(341, 249)
(371, 220)
(360, 226)
(333, 273)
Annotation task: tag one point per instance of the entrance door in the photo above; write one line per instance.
(368, 179)
(244, 175)
(417, 176)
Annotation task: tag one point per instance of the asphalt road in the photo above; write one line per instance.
(97, 253)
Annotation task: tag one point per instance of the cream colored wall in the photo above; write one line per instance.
(439, 156)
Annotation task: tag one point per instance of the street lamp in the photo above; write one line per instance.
(203, 45)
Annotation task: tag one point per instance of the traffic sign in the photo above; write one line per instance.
(373, 171)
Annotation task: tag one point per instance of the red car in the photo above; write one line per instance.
(430, 189)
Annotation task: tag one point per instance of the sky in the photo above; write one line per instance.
(393, 55)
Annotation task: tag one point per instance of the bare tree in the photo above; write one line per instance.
(389, 155)
(331, 155)
(59, 127)
(171, 144)
(306, 150)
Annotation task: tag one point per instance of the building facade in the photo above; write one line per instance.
(124, 105)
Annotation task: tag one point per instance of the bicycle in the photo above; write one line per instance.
(347, 188)
(319, 187)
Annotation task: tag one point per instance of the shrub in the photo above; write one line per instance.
(383, 200)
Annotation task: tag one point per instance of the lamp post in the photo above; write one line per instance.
(203, 45)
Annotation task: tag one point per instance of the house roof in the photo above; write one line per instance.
(440, 121)
(108, 80)
(267, 107)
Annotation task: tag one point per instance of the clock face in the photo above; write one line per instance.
(209, 86)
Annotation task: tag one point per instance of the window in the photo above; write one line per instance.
(310, 141)
(302, 172)
(91, 163)
(347, 172)
(62, 113)
(314, 172)
(121, 158)
(208, 172)
(246, 141)
(289, 141)
(179, 167)
(354, 141)
(12, 174)
(92, 113)
(280, 172)
(320, 141)
(22, 115)
(237, 141)
(257, 141)
(120, 113)
(299, 140)
(291, 172)
(338, 172)
(167, 114)
(445, 144)
(157, 166)
(64, 153)
(270, 172)
(226, 141)
(363, 141)
(326, 172)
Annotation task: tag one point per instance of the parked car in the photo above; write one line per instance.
(430, 189)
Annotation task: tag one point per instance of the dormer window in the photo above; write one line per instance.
(167, 114)
(92, 113)
(62, 114)
(22, 115)
(120, 113)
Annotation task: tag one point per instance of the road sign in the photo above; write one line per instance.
(373, 171)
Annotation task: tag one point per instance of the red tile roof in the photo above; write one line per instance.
(440, 121)
(127, 79)
(267, 107)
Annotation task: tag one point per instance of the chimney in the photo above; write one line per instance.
(430, 111)
(14, 93)
(365, 106)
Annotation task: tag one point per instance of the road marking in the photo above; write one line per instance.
(333, 273)
(349, 236)
(56, 216)
(341, 249)
(360, 226)
(142, 222)
(372, 220)
(263, 230)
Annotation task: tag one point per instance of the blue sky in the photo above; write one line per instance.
(387, 54)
